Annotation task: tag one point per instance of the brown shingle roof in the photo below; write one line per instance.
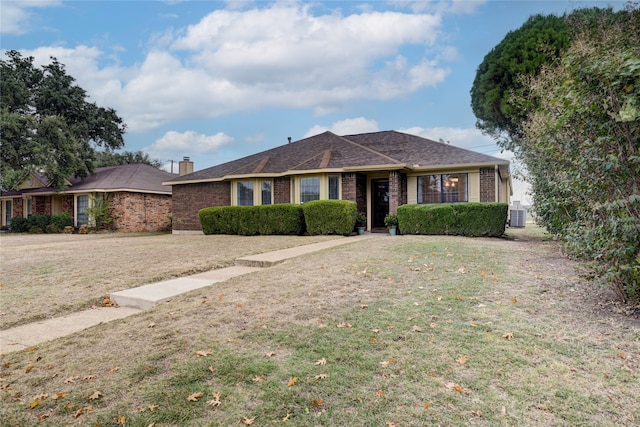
(134, 177)
(387, 149)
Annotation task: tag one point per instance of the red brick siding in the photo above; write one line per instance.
(487, 185)
(395, 191)
(17, 207)
(188, 199)
(361, 192)
(140, 212)
(282, 190)
(42, 205)
(67, 204)
(349, 187)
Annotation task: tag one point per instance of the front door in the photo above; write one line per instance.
(380, 201)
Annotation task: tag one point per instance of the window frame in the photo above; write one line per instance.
(446, 181)
(258, 191)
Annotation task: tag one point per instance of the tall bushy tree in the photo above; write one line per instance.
(581, 145)
(47, 124)
(110, 158)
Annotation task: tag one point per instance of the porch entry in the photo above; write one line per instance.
(379, 201)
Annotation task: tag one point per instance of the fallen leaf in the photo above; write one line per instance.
(322, 376)
(462, 360)
(373, 340)
(153, 407)
(508, 336)
(247, 421)
(456, 388)
(259, 378)
(89, 377)
(204, 353)
(78, 413)
(427, 405)
(292, 381)
(29, 369)
(96, 395)
(379, 392)
(195, 396)
(216, 399)
(151, 325)
(473, 325)
(34, 403)
(317, 402)
(114, 369)
(416, 328)
(270, 354)
(514, 299)
(211, 369)
(122, 420)
(321, 362)
(43, 417)
(344, 325)
(286, 417)
(59, 395)
(622, 355)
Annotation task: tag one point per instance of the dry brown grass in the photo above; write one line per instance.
(571, 361)
(49, 275)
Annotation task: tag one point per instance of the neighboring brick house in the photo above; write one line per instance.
(138, 199)
(379, 171)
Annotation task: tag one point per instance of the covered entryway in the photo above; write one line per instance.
(379, 201)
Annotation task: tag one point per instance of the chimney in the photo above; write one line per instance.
(185, 166)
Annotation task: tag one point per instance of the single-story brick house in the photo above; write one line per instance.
(379, 171)
(139, 200)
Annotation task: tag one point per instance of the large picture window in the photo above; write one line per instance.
(245, 193)
(449, 188)
(309, 189)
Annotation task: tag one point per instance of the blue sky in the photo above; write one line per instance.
(218, 80)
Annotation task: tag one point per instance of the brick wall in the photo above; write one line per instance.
(140, 212)
(42, 205)
(67, 204)
(282, 190)
(395, 191)
(361, 192)
(487, 185)
(349, 187)
(188, 199)
(17, 207)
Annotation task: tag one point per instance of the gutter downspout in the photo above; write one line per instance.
(496, 183)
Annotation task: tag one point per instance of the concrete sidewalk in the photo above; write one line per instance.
(135, 300)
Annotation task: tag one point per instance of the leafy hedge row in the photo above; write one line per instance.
(462, 219)
(41, 223)
(317, 217)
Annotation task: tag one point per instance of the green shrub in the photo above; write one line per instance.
(330, 216)
(283, 219)
(61, 221)
(52, 229)
(463, 219)
(19, 224)
(39, 221)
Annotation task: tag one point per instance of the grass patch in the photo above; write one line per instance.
(411, 330)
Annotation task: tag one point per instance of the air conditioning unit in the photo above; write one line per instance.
(518, 218)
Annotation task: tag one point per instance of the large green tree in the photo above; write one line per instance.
(110, 158)
(47, 124)
(578, 134)
(522, 52)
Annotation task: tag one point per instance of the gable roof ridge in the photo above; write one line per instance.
(371, 150)
(243, 166)
(307, 160)
(326, 158)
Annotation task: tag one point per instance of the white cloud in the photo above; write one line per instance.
(346, 127)
(16, 17)
(277, 56)
(177, 145)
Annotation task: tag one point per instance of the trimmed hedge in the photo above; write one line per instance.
(330, 217)
(461, 219)
(283, 219)
(41, 223)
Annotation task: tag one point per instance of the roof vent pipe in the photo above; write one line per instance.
(289, 138)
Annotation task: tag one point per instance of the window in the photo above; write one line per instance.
(442, 188)
(29, 207)
(309, 189)
(266, 192)
(334, 187)
(8, 212)
(245, 193)
(81, 211)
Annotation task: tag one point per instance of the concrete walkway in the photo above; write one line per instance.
(135, 300)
